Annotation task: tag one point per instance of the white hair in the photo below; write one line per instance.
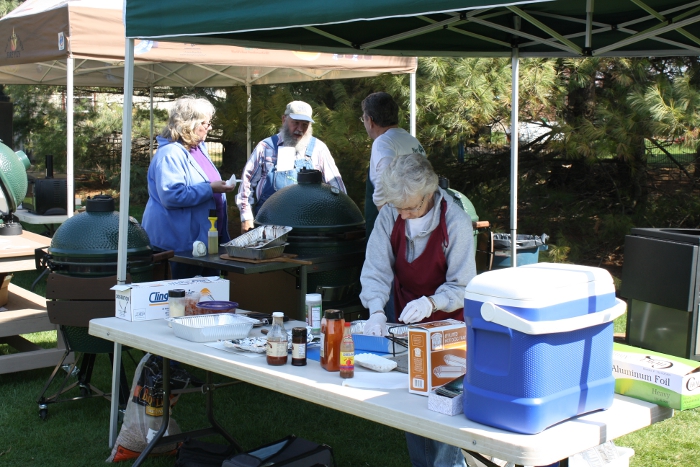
(406, 177)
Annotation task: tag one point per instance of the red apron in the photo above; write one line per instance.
(426, 273)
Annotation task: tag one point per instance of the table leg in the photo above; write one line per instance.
(114, 406)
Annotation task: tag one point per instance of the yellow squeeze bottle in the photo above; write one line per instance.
(213, 235)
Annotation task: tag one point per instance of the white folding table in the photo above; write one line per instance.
(392, 407)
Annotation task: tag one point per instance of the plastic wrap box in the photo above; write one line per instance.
(436, 354)
(446, 405)
(143, 301)
(540, 345)
(655, 377)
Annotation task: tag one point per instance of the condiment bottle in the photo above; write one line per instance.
(212, 235)
(176, 303)
(347, 354)
(313, 312)
(298, 346)
(331, 339)
(277, 341)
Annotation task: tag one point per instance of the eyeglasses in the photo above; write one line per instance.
(362, 118)
(206, 124)
(417, 208)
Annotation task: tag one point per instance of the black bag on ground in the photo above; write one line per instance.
(288, 452)
(195, 453)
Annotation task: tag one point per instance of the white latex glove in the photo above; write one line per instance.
(375, 325)
(416, 310)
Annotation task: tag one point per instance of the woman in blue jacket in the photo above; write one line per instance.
(184, 185)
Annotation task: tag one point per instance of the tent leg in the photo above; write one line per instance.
(150, 147)
(249, 108)
(413, 104)
(70, 172)
(514, 139)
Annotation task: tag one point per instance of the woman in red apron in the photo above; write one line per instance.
(422, 242)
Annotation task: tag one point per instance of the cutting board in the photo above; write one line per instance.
(285, 258)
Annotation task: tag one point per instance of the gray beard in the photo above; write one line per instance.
(300, 145)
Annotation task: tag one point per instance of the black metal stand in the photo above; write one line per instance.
(214, 429)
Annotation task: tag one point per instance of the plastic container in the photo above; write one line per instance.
(528, 249)
(539, 342)
(216, 306)
(314, 309)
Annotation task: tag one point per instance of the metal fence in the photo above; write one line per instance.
(658, 158)
(108, 152)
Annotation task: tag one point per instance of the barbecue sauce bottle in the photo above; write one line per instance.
(347, 354)
(330, 339)
(277, 341)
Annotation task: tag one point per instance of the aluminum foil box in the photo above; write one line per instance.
(437, 354)
(655, 377)
(144, 301)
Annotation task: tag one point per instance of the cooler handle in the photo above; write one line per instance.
(495, 314)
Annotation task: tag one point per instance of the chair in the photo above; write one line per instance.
(71, 303)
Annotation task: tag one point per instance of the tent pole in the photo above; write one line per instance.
(514, 138)
(150, 147)
(70, 172)
(126, 160)
(123, 223)
(413, 104)
(249, 108)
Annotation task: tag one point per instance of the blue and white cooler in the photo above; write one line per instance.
(539, 345)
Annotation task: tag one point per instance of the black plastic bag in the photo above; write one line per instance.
(287, 452)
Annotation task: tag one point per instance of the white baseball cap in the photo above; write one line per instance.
(299, 110)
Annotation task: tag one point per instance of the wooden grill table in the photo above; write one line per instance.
(26, 311)
(301, 266)
(395, 407)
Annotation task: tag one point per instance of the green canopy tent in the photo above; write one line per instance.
(467, 28)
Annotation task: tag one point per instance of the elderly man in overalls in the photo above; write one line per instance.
(294, 148)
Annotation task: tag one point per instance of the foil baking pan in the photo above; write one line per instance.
(265, 236)
(212, 327)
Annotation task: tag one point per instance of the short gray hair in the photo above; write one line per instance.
(185, 115)
(408, 176)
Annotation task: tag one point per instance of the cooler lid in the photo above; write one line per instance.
(539, 285)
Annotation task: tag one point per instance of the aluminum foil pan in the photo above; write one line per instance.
(212, 327)
(265, 236)
(255, 253)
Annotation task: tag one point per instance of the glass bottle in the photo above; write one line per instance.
(331, 339)
(299, 346)
(347, 353)
(176, 303)
(277, 341)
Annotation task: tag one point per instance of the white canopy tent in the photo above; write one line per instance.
(82, 42)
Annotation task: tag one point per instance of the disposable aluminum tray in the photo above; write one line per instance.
(255, 253)
(264, 236)
(213, 327)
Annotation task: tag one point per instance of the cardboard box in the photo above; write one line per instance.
(143, 301)
(655, 377)
(444, 404)
(4, 284)
(437, 354)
